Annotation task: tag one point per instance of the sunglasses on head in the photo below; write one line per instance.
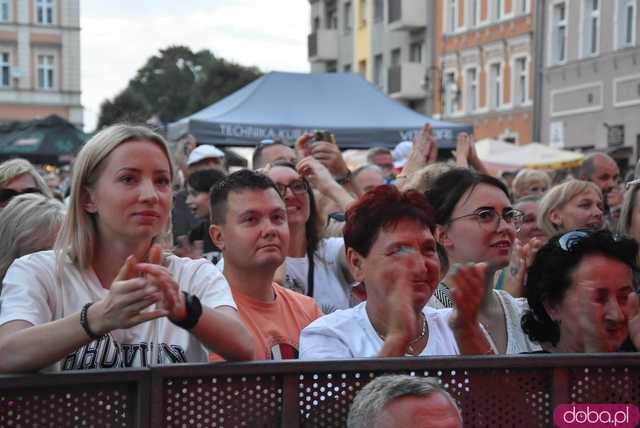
(570, 240)
(7, 194)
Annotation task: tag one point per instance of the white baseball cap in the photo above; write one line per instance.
(401, 153)
(204, 151)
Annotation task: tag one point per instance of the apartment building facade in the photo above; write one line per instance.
(389, 42)
(485, 56)
(40, 59)
(591, 76)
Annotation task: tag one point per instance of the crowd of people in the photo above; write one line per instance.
(159, 256)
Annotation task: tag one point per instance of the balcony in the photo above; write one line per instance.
(323, 45)
(405, 81)
(405, 15)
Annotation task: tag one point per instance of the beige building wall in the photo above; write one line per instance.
(26, 39)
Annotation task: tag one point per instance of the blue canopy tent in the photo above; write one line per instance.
(285, 105)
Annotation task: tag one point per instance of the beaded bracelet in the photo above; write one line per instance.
(84, 322)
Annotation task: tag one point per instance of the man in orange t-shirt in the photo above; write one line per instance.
(249, 225)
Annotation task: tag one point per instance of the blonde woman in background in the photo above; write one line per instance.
(529, 182)
(107, 278)
(20, 176)
(629, 223)
(28, 224)
(574, 204)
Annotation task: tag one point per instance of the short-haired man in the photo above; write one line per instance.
(400, 401)
(603, 171)
(383, 158)
(269, 151)
(249, 225)
(365, 178)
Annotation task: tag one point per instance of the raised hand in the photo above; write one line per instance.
(469, 285)
(172, 300)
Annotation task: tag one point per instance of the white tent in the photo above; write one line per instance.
(501, 156)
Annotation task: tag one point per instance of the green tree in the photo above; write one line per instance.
(175, 83)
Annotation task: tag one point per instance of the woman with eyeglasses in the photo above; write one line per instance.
(18, 176)
(574, 204)
(315, 267)
(581, 296)
(476, 223)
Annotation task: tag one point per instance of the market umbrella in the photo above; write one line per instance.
(501, 156)
(51, 140)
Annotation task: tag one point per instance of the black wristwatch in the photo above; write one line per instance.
(194, 311)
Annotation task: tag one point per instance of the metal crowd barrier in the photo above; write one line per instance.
(519, 391)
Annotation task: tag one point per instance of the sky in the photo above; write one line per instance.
(118, 37)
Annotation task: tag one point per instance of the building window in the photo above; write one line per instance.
(521, 77)
(559, 33)
(522, 7)
(45, 71)
(378, 10)
(472, 8)
(377, 70)
(44, 10)
(451, 93)
(331, 16)
(496, 10)
(362, 68)
(450, 16)
(591, 27)
(495, 86)
(5, 10)
(415, 51)
(5, 70)
(347, 17)
(626, 19)
(471, 83)
(362, 12)
(316, 24)
(347, 68)
(396, 56)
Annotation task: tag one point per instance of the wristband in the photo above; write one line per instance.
(194, 311)
(344, 179)
(84, 322)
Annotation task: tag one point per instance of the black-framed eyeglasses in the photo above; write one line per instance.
(297, 187)
(489, 218)
(7, 194)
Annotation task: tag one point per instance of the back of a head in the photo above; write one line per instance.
(381, 207)
(422, 180)
(370, 402)
(237, 182)
(204, 180)
(29, 223)
(450, 186)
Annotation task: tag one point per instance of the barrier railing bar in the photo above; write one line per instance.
(290, 408)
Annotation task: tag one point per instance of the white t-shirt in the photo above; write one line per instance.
(33, 292)
(349, 334)
(329, 285)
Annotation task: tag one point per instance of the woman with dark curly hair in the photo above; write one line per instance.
(580, 291)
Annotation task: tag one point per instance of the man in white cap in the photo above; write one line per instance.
(206, 156)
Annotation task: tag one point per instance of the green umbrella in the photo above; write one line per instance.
(51, 140)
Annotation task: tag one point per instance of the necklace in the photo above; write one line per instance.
(410, 348)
